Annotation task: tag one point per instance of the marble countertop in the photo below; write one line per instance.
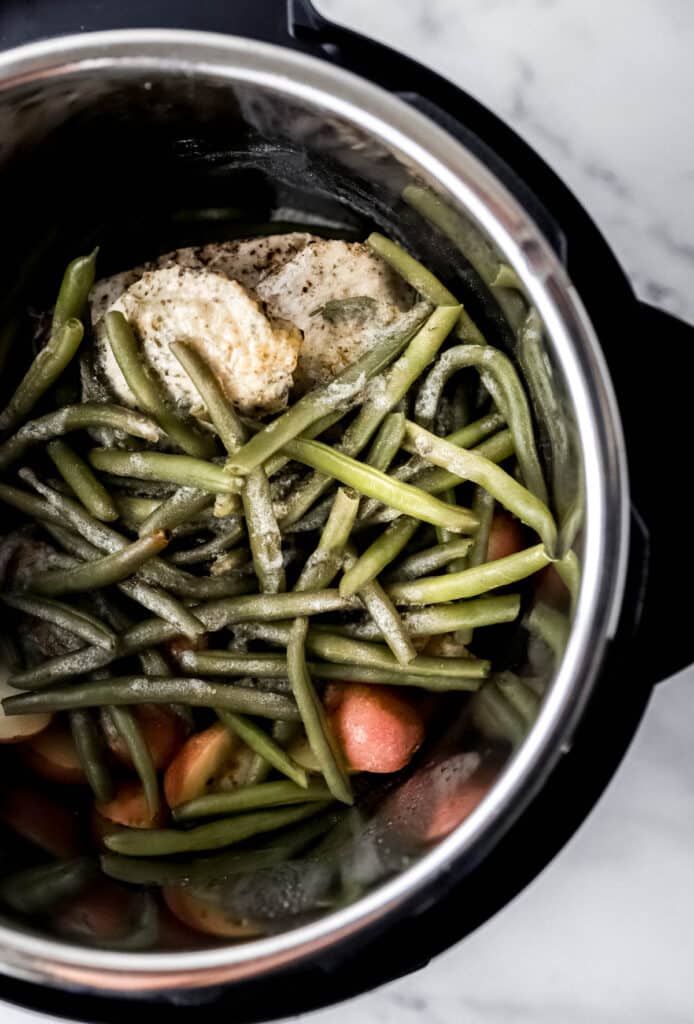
(603, 91)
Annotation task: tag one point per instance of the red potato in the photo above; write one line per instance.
(163, 731)
(179, 644)
(105, 911)
(177, 936)
(53, 755)
(15, 728)
(442, 794)
(41, 820)
(205, 916)
(129, 807)
(551, 589)
(505, 536)
(378, 727)
(210, 760)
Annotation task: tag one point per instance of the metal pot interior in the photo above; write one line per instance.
(142, 142)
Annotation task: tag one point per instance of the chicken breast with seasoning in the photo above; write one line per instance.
(245, 260)
(341, 295)
(252, 354)
(272, 314)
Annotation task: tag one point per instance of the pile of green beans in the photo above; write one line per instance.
(346, 540)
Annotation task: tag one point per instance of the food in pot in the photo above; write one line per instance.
(248, 571)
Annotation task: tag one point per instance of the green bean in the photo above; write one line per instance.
(156, 571)
(265, 747)
(447, 618)
(134, 510)
(74, 289)
(178, 469)
(378, 555)
(231, 431)
(383, 612)
(76, 417)
(278, 461)
(502, 382)
(74, 620)
(430, 560)
(550, 625)
(201, 870)
(569, 570)
(154, 599)
(538, 374)
(384, 394)
(183, 505)
(470, 465)
(216, 546)
(236, 663)
(29, 504)
(41, 889)
(147, 392)
(465, 437)
(320, 737)
(247, 798)
(387, 441)
(346, 651)
(214, 615)
(129, 731)
(437, 481)
(495, 717)
(471, 582)
(231, 561)
(319, 571)
(471, 243)
(153, 690)
(102, 572)
(65, 338)
(75, 471)
(424, 282)
(506, 277)
(520, 697)
(368, 674)
(263, 533)
(366, 480)
(91, 754)
(483, 505)
(211, 836)
(341, 392)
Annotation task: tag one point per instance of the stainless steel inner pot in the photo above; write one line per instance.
(96, 132)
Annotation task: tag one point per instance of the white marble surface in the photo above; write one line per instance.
(603, 90)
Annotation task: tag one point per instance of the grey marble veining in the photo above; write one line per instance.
(603, 89)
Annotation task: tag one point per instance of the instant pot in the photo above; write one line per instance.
(116, 118)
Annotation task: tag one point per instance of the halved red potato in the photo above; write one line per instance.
(129, 807)
(175, 934)
(15, 728)
(442, 794)
(505, 536)
(52, 755)
(378, 727)
(208, 761)
(204, 915)
(41, 820)
(163, 731)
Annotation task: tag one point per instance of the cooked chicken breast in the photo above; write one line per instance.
(269, 314)
(253, 355)
(309, 290)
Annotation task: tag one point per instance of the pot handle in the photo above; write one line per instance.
(665, 637)
(24, 21)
